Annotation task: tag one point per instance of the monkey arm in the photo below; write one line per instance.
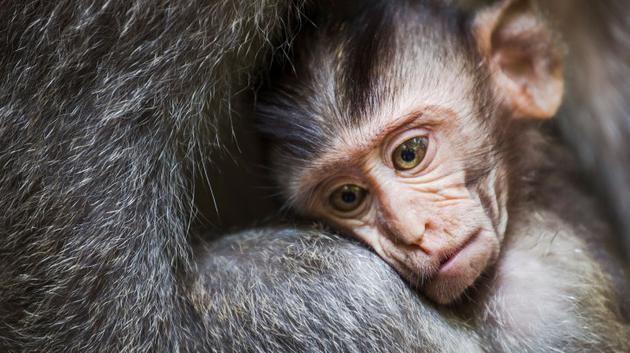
(306, 291)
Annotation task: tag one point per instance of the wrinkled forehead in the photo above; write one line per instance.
(386, 70)
(383, 68)
(363, 75)
(420, 83)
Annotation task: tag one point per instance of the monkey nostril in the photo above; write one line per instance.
(409, 239)
(418, 241)
(416, 238)
(420, 236)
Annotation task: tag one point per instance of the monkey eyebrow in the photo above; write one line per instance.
(405, 120)
(427, 115)
(415, 118)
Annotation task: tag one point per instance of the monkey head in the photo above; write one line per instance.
(395, 127)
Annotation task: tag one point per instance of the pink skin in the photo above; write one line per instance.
(424, 221)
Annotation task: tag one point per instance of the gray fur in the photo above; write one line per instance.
(285, 290)
(107, 110)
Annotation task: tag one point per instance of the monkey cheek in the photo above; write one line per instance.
(461, 271)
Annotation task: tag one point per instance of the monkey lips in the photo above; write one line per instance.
(459, 270)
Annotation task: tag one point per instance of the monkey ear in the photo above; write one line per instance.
(525, 63)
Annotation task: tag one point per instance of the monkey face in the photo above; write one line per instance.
(405, 147)
(407, 194)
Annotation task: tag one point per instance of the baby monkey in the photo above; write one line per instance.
(414, 127)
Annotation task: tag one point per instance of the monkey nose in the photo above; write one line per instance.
(413, 240)
(412, 236)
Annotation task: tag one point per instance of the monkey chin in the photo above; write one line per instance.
(460, 271)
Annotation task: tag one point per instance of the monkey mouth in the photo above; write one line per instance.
(449, 260)
(459, 270)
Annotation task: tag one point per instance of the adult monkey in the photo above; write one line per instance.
(103, 107)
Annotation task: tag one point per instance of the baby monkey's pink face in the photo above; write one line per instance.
(403, 190)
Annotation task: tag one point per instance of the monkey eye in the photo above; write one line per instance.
(410, 153)
(347, 198)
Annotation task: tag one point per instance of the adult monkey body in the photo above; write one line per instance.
(108, 108)
(102, 106)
